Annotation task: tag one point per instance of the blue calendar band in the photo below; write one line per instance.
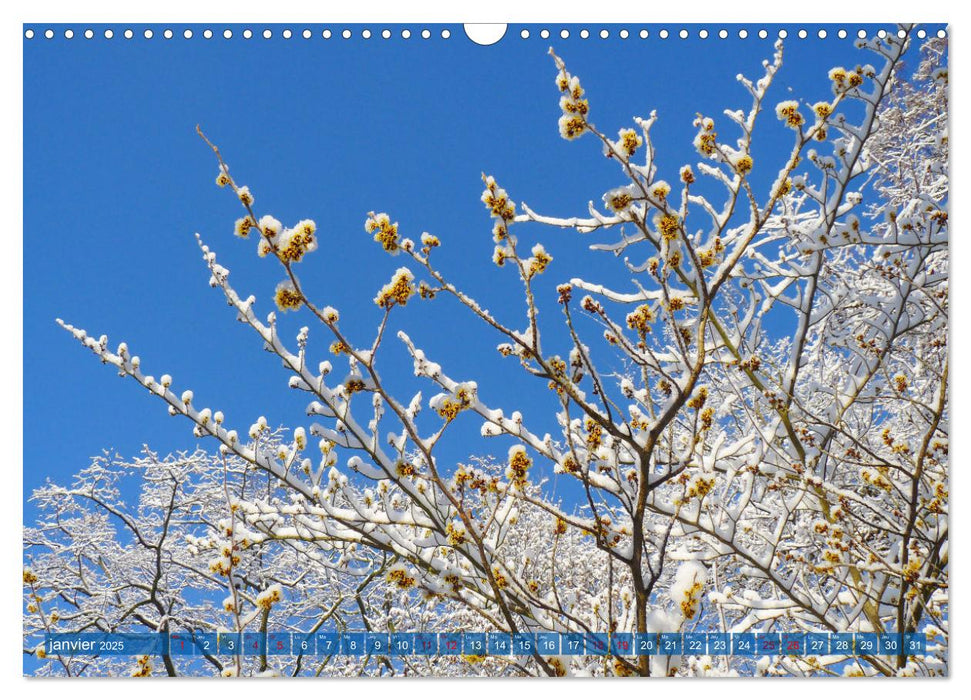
(361, 643)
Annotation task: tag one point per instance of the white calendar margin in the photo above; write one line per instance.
(436, 11)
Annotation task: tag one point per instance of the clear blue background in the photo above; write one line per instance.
(116, 183)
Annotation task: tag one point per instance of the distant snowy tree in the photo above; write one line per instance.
(735, 479)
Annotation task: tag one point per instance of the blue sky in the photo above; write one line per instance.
(116, 183)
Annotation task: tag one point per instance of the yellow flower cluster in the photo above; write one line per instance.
(519, 463)
(243, 226)
(450, 407)
(558, 374)
(331, 315)
(503, 210)
(831, 558)
(788, 112)
(668, 225)
(823, 110)
(400, 577)
(397, 291)
(405, 468)
(575, 109)
(569, 465)
(691, 599)
(299, 241)
(573, 105)
(222, 565)
(699, 487)
(475, 480)
(844, 79)
(660, 190)
(539, 262)
(453, 581)
(497, 200)
(877, 479)
(629, 141)
(353, 385)
(245, 196)
(571, 127)
(705, 141)
(287, 297)
(270, 226)
(911, 571)
(640, 319)
(937, 504)
(290, 247)
(30, 577)
(456, 534)
(618, 200)
(143, 667)
(594, 433)
(428, 242)
(699, 398)
(268, 597)
(339, 347)
(742, 163)
(385, 232)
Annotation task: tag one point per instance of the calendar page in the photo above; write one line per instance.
(519, 350)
